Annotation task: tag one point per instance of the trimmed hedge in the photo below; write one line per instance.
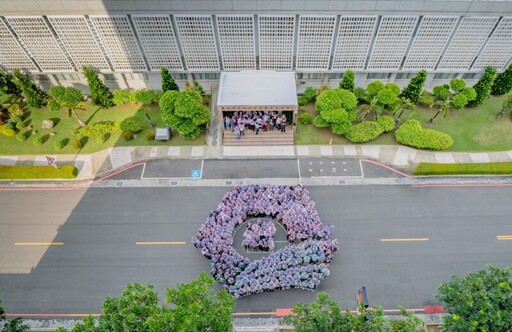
(412, 134)
(469, 168)
(364, 132)
(305, 119)
(387, 122)
(38, 172)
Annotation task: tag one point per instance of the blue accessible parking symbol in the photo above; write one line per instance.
(195, 173)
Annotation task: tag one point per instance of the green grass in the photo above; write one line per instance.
(470, 168)
(472, 129)
(38, 172)
(65, 125)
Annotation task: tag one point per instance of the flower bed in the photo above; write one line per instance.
(303, 264)
(259, 235)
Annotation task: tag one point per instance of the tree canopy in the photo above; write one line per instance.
(100, 93)
(168, 82)
(36, 97)
(480, 301)
(13, 325)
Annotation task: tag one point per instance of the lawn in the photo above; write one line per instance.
(65, 125)
(472, 129)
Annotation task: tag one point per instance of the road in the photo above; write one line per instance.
(95, 231)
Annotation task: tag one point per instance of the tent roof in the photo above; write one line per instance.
(257, 87)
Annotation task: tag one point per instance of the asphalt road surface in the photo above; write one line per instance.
(94, 235)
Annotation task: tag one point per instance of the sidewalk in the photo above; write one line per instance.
(106, 161)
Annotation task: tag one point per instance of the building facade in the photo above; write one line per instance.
(129, 41)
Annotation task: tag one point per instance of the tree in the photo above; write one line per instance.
(147, 97)
(455, 95)
(7, 85)
(480, 301)
(324, 315)
(506, 106)
(415, 87)
(184, 111)
(347, 82)
(168, 82)
(380, 97)
(100, 93)
(70, 98)
(483, 86)
(13, 325)
(503, 83)
(36, 97)
(336, 108)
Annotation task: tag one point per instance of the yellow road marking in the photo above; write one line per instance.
(504, 237)
(159, 243)
(38, 243)
(406, 239)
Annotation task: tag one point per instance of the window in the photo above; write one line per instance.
(440, 76)
(403, 76)
(470, 76)
(109, 77)
(206, 76)
(67, 77)
(134, 76)
(335, 76)
(378, 76)
(42, 78)
(179, 76)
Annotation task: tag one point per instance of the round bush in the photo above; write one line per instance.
(22, 137)
(20, 125)
(320, 122)
(101, 139)
(387, 122)
(58, 145)
(38, 141)
(364, 132)
(77, 144)
(150, 136)
(305, 119)
(15, 118)
(9, 126)
(130, 125)
(127, 135)
(412, 134)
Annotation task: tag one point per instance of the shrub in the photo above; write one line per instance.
(483, 86)
(469, 168)
(15, 118)
(150, 136)
(198, 88)
(364, 132)
(15, 109)
(20, 125)
(373, 88)
(59, 145)
(320, 122)
(100, 93)
(101, 139)
(412, 134)
(121, 97)
(503, 83)
(310, 93)
(302, 101)
(387, 122)
(360, 94)
(335, 99)
(457, 84)
(9, 126)
(146, 97)
(131, 125)
(38, 140)
(8, 132)
(347, 82)
(168, 82)
(413, 90)
(77, 144)
(21, 136)
(36, 97)
(38, 172)
(96, 129)
(7, 85)
(127, 135)
(54, 105)
(306, 119)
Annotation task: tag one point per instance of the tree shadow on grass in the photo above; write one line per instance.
(92, 115)
(84, 140)
(107, 136)
(45, 138)
(65, 142)
(56, 121)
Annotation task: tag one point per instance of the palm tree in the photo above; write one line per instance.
(405, 105)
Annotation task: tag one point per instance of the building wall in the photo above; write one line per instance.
(129, 41)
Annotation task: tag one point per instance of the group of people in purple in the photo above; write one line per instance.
(259, 235)
(302, 264)
(255, 121)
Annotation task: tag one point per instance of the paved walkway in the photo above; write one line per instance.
(106, 161)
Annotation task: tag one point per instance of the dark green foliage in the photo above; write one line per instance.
(507, 104)
(127, 135)
(360, 94)
(100, 93)
(198, 88)
(413, 90)
(168, 82)
(38, 141)
(36, 97)
(503, 83)
(483, 86)
(364, 132)
(77, 144)
(464, 168)
(305, 119)
(96, 129)
(21, 136)
(7, 85)
(320, 122)
(147, 97)
(412, 134)
(150, 136)
(20, 125)
(54, 105)
(308, 95)
(59, 145)
(347, 82)
(13, 325)
(480, 301)
(131, 125)
(387, 122)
